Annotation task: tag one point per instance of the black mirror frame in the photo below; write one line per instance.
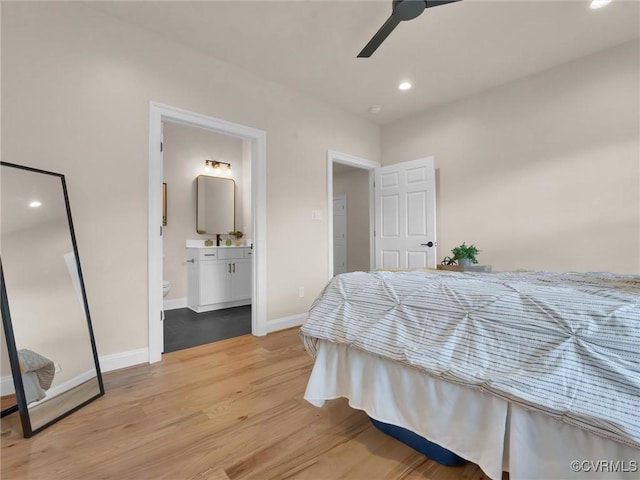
(9, 334)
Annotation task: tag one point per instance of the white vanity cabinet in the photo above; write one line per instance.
(218, 277)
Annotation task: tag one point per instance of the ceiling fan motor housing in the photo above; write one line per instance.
(401, 10)
(407, 9)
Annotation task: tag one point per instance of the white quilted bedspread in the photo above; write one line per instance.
(564, 344)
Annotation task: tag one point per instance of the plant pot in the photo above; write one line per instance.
(238, 242)
(464, 262)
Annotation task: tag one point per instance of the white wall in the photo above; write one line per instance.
(185, 150)
(76, 87)
(542, 173)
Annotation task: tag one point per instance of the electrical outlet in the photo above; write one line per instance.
(301, 292)
(316, 214)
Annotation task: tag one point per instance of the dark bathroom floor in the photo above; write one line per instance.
(184, 328)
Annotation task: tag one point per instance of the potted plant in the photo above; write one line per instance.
(238, 235)
(465, 254)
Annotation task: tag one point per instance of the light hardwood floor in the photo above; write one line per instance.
(230, 410)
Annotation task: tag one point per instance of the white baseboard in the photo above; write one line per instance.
(108, 363)
(7, 387)
(68, 385)
(220, 306)
(117, 361)
(174, 303)
(286, 322)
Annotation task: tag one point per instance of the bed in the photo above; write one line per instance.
(534, 373)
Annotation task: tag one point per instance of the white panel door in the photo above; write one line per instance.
(405, 233)
(339, 234)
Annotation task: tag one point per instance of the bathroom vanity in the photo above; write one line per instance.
(218, 277)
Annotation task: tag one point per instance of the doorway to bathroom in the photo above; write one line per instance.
(202, 203)
(253, 143)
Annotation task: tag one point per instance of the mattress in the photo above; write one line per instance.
(565, 345)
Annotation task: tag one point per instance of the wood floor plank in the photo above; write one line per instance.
(7, 401)
(233, 410)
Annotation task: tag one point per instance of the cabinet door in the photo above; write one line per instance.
(193, 293)
(214, 282)
(241, 279)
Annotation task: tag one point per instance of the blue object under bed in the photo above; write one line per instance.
(420, 444)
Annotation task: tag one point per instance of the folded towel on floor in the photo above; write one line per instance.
(37, 374)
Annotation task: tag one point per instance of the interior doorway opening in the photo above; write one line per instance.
(203, 203)
(350, 190)
(256, 141)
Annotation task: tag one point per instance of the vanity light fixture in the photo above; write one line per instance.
(216, 166)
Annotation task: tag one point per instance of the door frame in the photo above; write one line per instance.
(357, 162)
(158, 114)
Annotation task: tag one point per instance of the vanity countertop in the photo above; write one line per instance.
(221, 246)
(200, 244)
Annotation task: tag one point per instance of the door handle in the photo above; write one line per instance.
(429, 244)
(229, 268)
(234, 268)
(191, 261)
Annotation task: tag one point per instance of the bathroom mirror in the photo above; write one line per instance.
(215, 205)
(45, 313)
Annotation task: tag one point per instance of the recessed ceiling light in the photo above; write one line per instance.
(405, 86)
(375, 109)
(35, 204)
(599, 3)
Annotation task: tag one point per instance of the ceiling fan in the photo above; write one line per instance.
(400, 10)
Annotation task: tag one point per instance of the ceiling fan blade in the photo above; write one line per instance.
(379, 37)
(437, 3)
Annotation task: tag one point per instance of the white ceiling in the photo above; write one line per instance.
(448, 52)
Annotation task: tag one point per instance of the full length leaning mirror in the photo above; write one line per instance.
(45, 313)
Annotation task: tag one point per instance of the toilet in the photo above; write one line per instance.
(166, 286)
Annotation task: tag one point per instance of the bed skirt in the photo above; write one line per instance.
(479, 427)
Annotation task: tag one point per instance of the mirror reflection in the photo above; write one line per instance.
(215, 208)
(45, 315)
